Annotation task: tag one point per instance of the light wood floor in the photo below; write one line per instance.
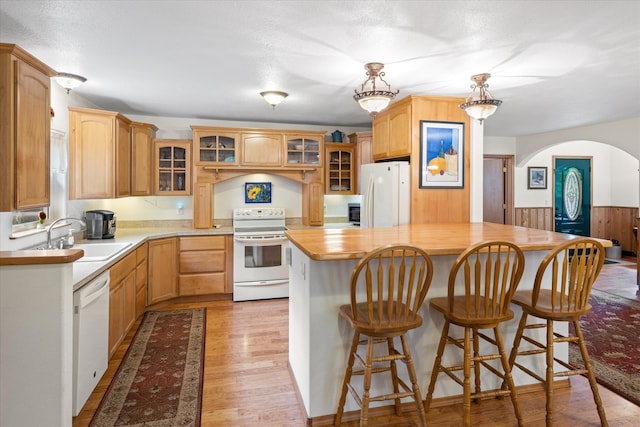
(247, 382)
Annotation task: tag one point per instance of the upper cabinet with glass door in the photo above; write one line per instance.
(215, 146)
(172, 171)
(340, 173)
(304, 150)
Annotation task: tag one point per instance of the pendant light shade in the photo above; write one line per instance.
(480, 104)
(69, 81)
(274, 97)
(370, 97)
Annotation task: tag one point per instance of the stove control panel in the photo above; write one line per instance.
(258, 213)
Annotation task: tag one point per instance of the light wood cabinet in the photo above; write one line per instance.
(25, 125)
(99, 154)
(142, 135)
(122, 303)
(296, 155)
(141, 278)
(313, 212)
(162, 270)
(257, 148)
(392, 131)
(305, 150)
(205, 265)
(362, 140)
(340, 174)
(172, 167)
(261, 150)
(213, 146)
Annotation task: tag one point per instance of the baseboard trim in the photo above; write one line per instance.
(409, 407)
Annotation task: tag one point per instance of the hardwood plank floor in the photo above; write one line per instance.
(247, 382)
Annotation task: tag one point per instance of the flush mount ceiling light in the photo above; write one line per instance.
(481, 104)
(370, 97)
(274, 97)
(69, 81)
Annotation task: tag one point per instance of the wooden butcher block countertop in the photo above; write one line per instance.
(437, 239)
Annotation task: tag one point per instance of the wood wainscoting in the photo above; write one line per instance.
(615, 222)
(540, 218)
(607, 222)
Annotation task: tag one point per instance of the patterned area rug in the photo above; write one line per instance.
(159, 382)
(612, 333)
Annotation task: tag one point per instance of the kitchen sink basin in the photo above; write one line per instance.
(100, 251)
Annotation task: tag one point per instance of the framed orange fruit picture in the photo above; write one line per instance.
(441, 154)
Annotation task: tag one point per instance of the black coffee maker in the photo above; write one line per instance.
(101, 224)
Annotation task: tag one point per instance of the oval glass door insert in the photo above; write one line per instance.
(572, 193)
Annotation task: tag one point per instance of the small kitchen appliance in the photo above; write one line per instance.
(101, 224)
(353, 213)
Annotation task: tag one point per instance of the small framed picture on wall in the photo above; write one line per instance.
(537, 177)
(257, 192)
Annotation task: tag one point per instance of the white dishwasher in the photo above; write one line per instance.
(90, 338)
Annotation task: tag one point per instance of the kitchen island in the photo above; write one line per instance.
(321, 264)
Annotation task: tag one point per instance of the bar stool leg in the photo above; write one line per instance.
(366, 394)
(590, 374)
(476, 364)
(414, 380)
(394, 376)
(507, 375)
(436, 366)
(517, 339)
(549, 376)
(347, 379)
(467, 378)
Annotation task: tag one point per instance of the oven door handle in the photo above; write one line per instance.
(265, 240)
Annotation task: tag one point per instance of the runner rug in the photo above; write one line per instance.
(159, 382)
(612, 334)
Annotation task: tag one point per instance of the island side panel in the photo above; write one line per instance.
(319, 340)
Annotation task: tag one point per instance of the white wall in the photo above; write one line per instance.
(615, 175)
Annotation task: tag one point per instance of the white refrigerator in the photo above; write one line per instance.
(385, 194)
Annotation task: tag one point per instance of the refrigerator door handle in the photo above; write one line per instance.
(368, 203)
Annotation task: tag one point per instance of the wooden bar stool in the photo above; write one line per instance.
(482, 282)
(388, 287)
(572, 268)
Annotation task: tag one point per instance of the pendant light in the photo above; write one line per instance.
(370, 97)
(480, 104)
(69, 81)
(274, 97)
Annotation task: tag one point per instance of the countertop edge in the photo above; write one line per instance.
(435, 239)
(40, 257)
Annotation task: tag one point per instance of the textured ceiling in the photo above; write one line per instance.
(554, 64)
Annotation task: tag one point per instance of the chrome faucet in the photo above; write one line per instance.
(49, 245)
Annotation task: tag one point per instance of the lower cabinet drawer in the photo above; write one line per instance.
(201, 284)
(202, 261)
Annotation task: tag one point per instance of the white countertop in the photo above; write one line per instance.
(83, 272)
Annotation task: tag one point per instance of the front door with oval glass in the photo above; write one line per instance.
(572, 195)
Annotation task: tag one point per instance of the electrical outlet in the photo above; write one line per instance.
(180, 208)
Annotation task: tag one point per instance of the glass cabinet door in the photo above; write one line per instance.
(340, 173)
(216, 149)
(172, 168)
(304, 151)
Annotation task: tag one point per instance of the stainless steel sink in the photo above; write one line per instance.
(94, 252)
